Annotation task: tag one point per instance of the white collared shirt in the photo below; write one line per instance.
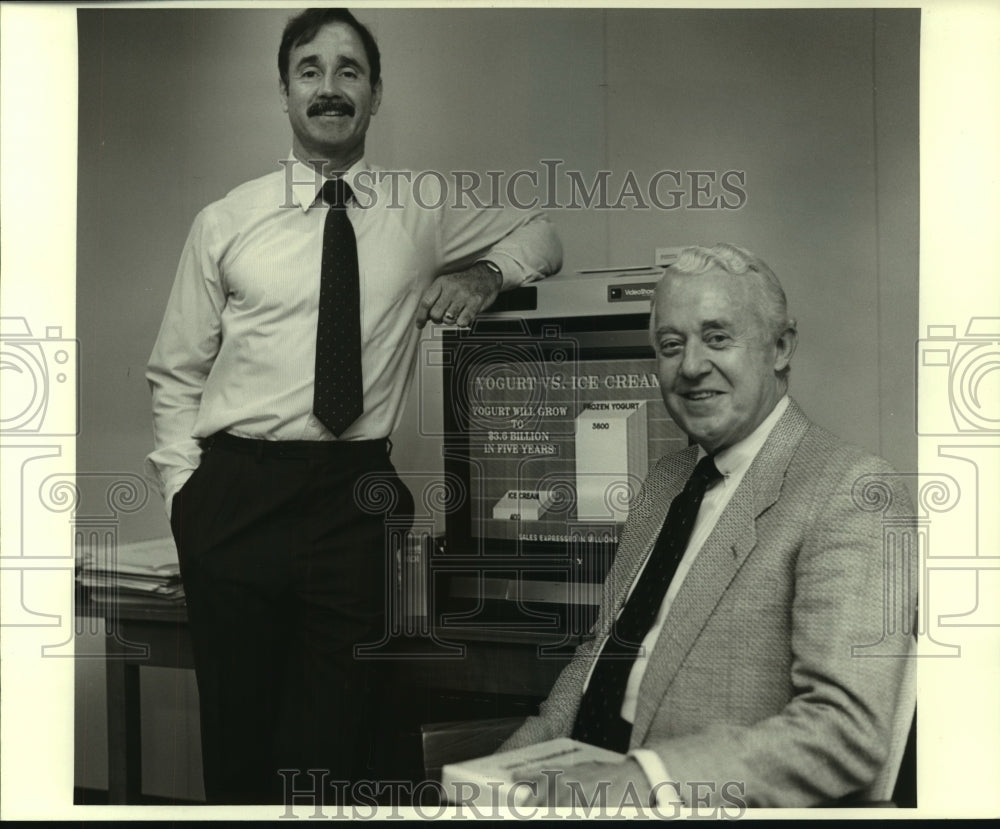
(236, 350)
(733, 463)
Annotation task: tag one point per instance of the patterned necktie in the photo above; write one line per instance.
(599, 720)
(338, 394)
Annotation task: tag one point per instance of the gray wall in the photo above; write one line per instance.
(818, 107)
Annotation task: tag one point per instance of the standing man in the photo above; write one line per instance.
(735, 659)
(280, 370)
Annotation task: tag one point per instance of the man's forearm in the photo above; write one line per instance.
(176, 454)
(185, 351)
(531, 251)
(523, 244)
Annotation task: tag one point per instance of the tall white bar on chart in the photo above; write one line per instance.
(612, 457)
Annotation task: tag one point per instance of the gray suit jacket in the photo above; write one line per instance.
(760, 684)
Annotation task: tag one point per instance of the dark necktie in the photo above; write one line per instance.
(599, 720)
(338, 394)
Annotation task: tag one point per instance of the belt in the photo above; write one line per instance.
(346, 450)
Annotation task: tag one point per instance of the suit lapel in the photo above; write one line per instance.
(715, 566)
(643, 528)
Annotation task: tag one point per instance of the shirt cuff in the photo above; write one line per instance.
(168, 469)
(175, 487)
(666, 788)
(513, 272)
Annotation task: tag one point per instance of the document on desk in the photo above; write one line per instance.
(132, 573)
(488, 782)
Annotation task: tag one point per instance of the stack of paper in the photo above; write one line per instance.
(146, 572)
(488, 781)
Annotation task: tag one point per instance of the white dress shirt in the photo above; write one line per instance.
(733, 464)
(236, 349)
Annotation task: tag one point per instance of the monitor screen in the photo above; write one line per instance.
(552, 426)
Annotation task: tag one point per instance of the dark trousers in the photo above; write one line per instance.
(283, 553)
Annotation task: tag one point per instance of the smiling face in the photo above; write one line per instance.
(717, 356)
(329, 97)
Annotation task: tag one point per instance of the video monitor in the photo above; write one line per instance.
(551, 426)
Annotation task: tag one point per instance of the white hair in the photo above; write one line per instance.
(737, 261)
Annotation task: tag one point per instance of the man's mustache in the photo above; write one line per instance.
(331, 108)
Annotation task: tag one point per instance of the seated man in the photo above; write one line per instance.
(729, 661)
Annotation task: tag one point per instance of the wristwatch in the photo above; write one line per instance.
(493, 267)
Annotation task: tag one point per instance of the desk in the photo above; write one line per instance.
(153, 635)
(493, 665)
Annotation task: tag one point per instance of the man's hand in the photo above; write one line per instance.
(456, 298)
(608, 786)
